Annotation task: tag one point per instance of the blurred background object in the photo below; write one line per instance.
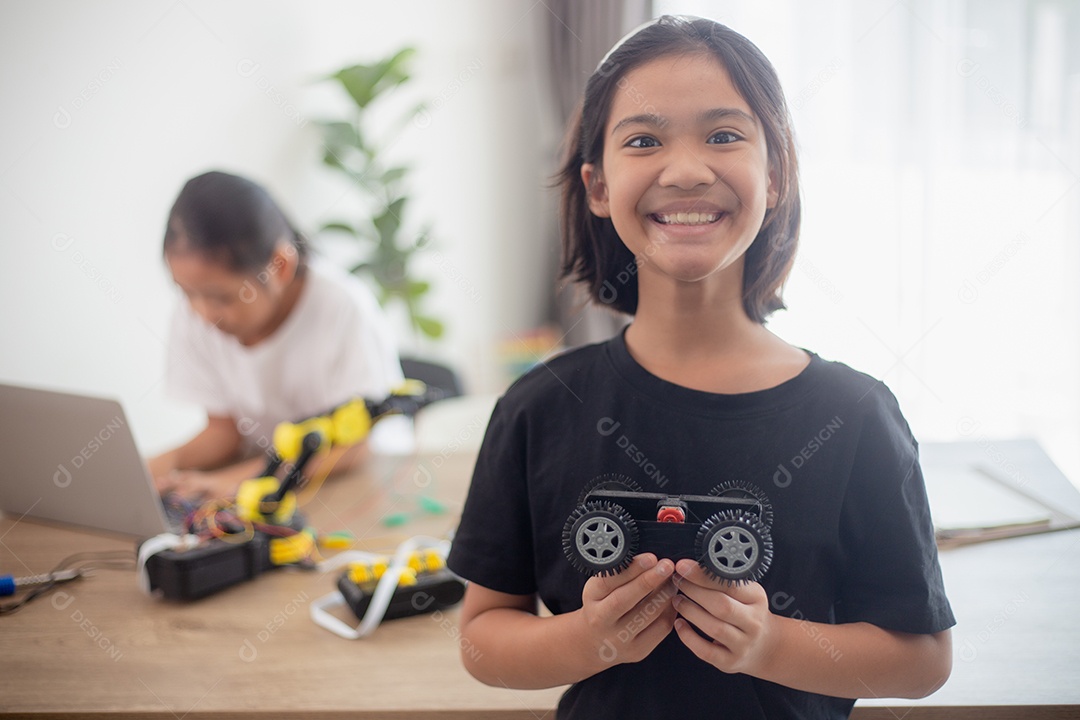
(940, 158)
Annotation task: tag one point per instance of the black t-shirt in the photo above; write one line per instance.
(851, 529)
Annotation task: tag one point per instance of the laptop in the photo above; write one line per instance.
(71, 459)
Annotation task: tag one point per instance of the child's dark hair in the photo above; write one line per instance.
(230, 220)
(592, 251)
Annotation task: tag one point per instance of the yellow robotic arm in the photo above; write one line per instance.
(265, 499)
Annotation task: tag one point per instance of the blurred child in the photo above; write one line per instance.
(267, 334)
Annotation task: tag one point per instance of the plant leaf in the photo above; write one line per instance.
(332, 160)
(365, 83)
(423, 239)
(341, 134)
(388, 222)
(397, 68)
(429, 326)
(349, 149)
(339, 227)
(394, 174)
(414, 289)
(359, 81)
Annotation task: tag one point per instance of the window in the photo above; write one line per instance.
(940, 158)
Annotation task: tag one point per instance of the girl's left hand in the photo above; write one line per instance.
(736, 617)
(195, 485)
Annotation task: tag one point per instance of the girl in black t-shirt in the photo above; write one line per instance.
(681, 208)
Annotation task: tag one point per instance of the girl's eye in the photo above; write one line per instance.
(723, 138)
(643, 141)
(214, 299)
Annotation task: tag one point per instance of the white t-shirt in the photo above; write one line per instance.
(335, 345)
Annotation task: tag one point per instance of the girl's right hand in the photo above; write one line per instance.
(629, 614)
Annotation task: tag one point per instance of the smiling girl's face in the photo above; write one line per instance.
(685, 174)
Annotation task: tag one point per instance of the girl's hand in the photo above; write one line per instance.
(196, 485)
(629, 614)
(736, 617)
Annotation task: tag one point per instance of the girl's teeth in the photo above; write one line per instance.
(688, 218)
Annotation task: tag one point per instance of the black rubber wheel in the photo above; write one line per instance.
(747, 491)
(609, 481)
(600, 538)
(735, 546)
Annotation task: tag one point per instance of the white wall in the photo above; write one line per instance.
(110, 106)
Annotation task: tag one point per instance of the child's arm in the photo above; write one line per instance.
(623, 618)
(216, 445)
(853, 660)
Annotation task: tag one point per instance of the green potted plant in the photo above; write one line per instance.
(349, 148)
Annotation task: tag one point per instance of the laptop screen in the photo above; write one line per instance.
(72, 459)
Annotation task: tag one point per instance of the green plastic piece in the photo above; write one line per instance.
(431, 505)
(396, 519)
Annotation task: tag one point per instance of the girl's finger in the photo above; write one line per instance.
(713, 653)
(600, 586)
(688, 571)
(620, 593)
(718, 629)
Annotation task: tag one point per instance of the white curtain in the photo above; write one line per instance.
(579, 34)
(940, 151)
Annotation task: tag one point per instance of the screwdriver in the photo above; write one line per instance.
(9, 584)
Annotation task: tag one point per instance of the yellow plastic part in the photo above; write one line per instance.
(336, 542)
(289, 437)
(361, 573)
(426, 561)
(421, 561)
(433, 561)
(291, 549)
(350, 423)
(249, 502)
(411, 387)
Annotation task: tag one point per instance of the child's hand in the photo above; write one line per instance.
(627, 615)
(736, 617)
(195, 485)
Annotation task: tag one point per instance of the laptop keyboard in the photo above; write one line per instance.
(177, 512)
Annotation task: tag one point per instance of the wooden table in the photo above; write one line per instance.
(1016, 644)
(99, 646)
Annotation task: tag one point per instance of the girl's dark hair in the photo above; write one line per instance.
(592, 251)
(230, 220)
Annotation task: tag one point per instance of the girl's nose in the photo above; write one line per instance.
(202, 309)
(686, 169)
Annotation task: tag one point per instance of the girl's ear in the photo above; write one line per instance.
(284, 262)
(595, 190)
(772, 196)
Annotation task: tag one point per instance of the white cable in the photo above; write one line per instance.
(384, 591)
(317, 609)
(156, 544)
